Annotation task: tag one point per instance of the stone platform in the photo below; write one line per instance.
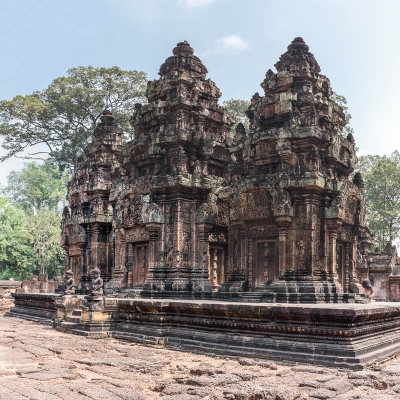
(37, 307)
(340, 335)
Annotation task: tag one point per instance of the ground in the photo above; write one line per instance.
(37, 362)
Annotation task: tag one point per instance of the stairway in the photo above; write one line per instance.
(251, 297)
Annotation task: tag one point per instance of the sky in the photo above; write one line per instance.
(356, 43)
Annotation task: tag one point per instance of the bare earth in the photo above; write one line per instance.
(37, 362)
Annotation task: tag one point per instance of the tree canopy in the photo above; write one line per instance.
(45, 226)
(17, 258)
(37, 186)
(237, 108)
(382, 189)
(59, 120)
(342, 102)
(30, 227)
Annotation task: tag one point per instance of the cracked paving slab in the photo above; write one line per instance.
(37, 362)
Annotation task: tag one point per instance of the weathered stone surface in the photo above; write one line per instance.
(39, 284)
(70, 367)
(6, 288)
(384, 273)
(39, 307)
(184, 208)
(344, 335)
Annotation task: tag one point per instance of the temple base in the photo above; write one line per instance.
(338, 335)
(306, 291)
(190, 287)
(37, 307)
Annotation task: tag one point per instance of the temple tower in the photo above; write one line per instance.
(87, 222)
(170, 225)
(297, 217)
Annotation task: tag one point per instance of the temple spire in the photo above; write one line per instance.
(183, 59)
(183, 48)
(298, 59)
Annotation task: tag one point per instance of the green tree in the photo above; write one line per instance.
(365, 163)
(37, 193)
(382, 189)
(17, 259)
(237, 108)
(37, 186)
(342, 102)
(45, 226)
(59, 120)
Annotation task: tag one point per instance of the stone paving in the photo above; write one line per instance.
(37, 362)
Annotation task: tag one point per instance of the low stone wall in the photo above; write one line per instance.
(38, 307)
(339, 335)
(6, 288)
(38, 284)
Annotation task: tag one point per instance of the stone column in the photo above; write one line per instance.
(250, 259)
(283, 262)
(153, 250)
(333, 226)
(94, 238)
(214, 266)
(84, 262)
(203, 249)
(347, 266)
(130, 264)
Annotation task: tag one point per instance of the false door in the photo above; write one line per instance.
(266, 263)
(136, 263)
(140, 264)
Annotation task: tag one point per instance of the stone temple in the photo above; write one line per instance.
(248, 242)
(187, 209)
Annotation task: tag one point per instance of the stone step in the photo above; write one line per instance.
(139, 338)
(73, 319)
(28, 317)
(251, 297)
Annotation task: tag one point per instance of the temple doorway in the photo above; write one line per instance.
(266, 263)
(217, 265)
(137, 264)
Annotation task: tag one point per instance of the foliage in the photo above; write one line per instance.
(37, 186)
(59, 119)
(17, 258)
(342, 102)
(382, 188)
(237, 108)
(46, 234)
(31, 223)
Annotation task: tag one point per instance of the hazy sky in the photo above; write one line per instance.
(356, 43)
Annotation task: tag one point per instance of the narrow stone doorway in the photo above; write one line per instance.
(137, 264)
(266, 263)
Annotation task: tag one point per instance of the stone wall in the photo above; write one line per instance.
(39, 284)
(6, 288)
(384, 273)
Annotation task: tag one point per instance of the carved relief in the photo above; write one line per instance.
(184, 183)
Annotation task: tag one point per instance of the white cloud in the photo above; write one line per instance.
(195, 3)
(232, 42)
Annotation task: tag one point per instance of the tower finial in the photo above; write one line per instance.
(107, 117)
(183, 48)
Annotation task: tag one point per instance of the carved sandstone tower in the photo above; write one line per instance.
(87, 222)
(174, 165)
(183, 209)
(297, 217)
